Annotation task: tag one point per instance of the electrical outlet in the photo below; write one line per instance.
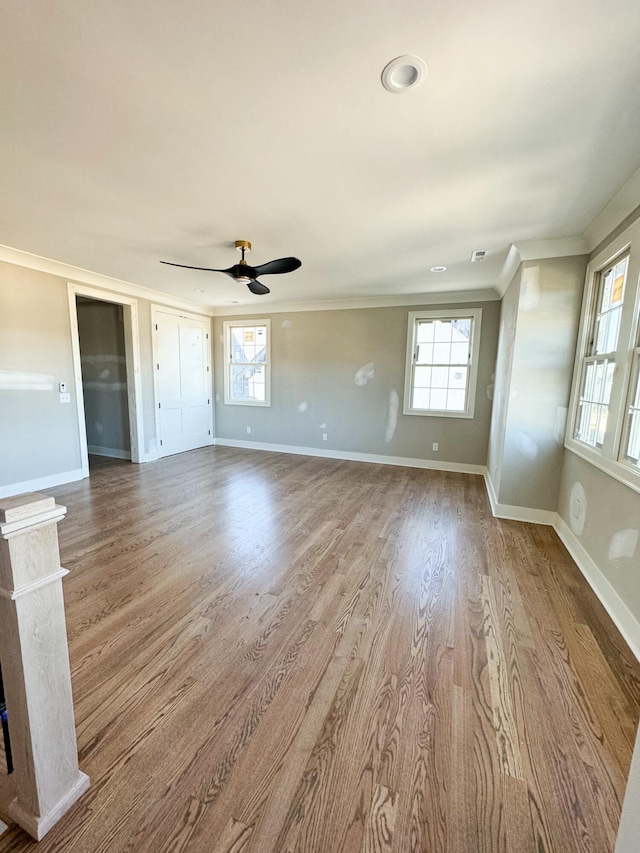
(248, 430)
(577, 506)
(435, 445)
(324, 436)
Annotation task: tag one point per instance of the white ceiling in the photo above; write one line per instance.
(134, 132)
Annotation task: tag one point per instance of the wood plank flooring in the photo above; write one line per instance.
(276, 653)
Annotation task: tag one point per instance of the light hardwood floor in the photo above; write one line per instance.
(283, 653)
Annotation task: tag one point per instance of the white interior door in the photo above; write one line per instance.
(183, 381)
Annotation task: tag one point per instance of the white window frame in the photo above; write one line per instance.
(475, 315)
(611, 455)
(227, 326)
(634, 388)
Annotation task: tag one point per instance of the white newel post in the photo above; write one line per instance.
(35, 665)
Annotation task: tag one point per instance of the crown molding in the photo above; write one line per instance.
(561, 247)
(461, 296)
(81, 276)
(509, 269)
(537, 250)
(623, 204)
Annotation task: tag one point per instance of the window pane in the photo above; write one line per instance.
(425, 354)
(593, 411)
(420, 398)
(457, 377)
(440, 377)
(597, 387)
(438, 398)
(601, 333)
(248, 344)
(632, 452)
(462, 327)
(443, 331)
(612, 328)
(606, 391)
(633, 449)
(589, 378)
(459, 353)
(422, 377)
(455, 400)
(425, 332)
(442, 353)
(609, 308)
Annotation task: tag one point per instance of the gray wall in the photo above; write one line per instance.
(38, 434)
(104, 375)
(315, 356)
(536, 394)
(606, 524)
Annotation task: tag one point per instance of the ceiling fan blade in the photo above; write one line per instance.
(257, 287)
(278, 266)
(206, 269)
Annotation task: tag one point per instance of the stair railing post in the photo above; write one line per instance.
(35, 665)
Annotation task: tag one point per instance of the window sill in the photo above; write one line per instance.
(437, 414)
(618, 470)
(253, 403)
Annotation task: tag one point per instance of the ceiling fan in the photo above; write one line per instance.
(246, 274)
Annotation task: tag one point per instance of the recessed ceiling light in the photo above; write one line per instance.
(438, 269)
(403, 73)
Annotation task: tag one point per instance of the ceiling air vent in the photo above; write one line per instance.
(478, 255)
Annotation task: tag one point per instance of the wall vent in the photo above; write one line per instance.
(478, 255)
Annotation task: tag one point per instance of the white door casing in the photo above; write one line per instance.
(182, 368)
(132, 355)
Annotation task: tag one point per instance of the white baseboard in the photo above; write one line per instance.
(40, 483)
(517, 513)
(623, 618)
(111, 452)
(404, 461)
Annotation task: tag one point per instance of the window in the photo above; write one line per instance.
(442, 363)
(247, 372)
(632, 432)
(600, 361)
(604, 423)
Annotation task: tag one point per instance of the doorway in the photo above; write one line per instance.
(104, 377)
(106, 358)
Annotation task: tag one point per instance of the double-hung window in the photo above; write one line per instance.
(599, 363)
(247, 362)
(442, 362)
(604, 422)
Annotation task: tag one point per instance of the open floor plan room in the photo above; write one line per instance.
(277, 653)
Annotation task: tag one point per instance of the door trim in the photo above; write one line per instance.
(200, 318)
(132, 357)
